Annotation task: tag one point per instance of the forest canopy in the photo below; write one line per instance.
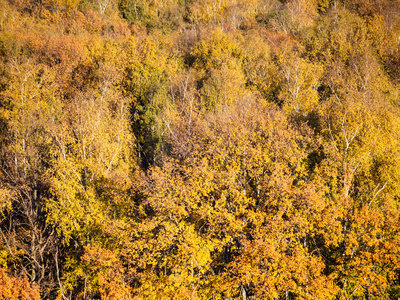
(199, 149)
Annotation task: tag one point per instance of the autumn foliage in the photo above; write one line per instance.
(14, 288)
(199, 149)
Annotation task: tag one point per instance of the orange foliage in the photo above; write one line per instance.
(12, 288)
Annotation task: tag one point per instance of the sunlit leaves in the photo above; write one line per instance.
(199, 149)
(17, 288)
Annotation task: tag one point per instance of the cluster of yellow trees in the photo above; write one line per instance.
(199, 149)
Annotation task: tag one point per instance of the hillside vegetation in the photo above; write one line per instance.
(199, 149)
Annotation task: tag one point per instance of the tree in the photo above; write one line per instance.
(28, 105)
(14, 288)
